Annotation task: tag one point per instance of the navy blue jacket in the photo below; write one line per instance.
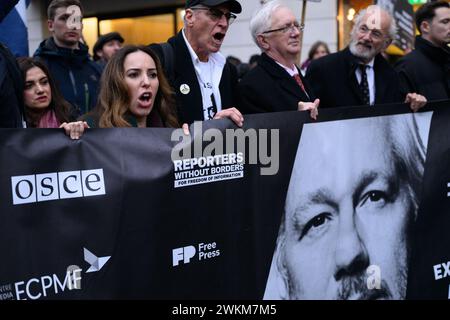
(75, 73)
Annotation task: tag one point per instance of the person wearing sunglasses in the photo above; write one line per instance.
(204, 83)
(276, 83)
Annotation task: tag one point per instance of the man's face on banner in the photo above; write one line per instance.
(350, 210)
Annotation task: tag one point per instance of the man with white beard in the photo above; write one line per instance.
(359, 75)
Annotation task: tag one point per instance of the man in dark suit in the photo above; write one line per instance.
(359, 75)
(276, 84)
(204, 83)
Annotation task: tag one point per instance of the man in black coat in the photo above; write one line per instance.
(204, 83)
(11, 82)
(426, 70)
(359, 75)
(276, 84)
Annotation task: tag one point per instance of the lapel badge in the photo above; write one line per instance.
(184, 89)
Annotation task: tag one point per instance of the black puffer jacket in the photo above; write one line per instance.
(75, 73)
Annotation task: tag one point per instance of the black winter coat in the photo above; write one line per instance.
(268, 87)
(334, 81)
(426, 70)
(190, 106)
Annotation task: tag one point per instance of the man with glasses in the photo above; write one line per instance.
(359, 75)
(276, 83)
(205, 84)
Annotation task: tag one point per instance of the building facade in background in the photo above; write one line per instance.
(150, 21)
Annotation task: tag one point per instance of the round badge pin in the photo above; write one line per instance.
(184, 89)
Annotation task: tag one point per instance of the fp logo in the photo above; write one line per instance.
(185, 254)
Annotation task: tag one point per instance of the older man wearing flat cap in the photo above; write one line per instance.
(205, 84)
(106, 46)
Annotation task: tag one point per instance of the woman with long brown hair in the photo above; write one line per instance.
(134, 92)
(45, 107)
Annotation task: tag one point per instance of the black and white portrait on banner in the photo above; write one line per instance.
(350, 207)
(362, 194)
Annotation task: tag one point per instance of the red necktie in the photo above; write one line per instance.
(299, 81)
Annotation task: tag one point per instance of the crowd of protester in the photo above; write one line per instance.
(188, 79)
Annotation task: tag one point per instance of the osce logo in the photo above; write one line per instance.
(57, 185)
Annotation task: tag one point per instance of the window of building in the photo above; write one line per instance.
(135, 27)
(141, 30)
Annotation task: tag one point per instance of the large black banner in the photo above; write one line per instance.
(354, 206)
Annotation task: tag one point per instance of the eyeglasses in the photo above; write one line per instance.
(216, 14)
(290, 28)
(376, 34)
